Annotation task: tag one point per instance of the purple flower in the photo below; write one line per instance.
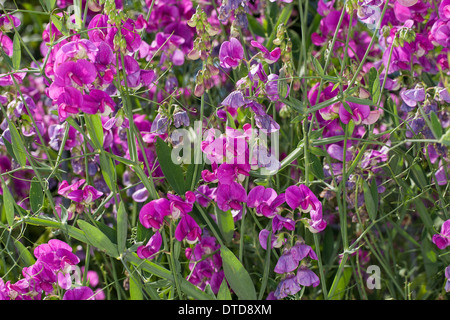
(412, 96)
(265, 201)
(275, 241)
(152, 214)
(279, 222)
(301, 251)
(188, 229)
(268, 56)
(447, 275)
(151, 248)
(442, 240)
(306, 277)
(287, 262)
(287, 286)
(181, 118)
(235, 100)
(231, 53)
(230, 196)
(204, 195)
(79, 293)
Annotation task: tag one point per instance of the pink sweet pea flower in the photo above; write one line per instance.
(359, 113)
(268, 56)
(442, 240)
(151, 248)
(152, 214)
(230, 196)
(79, 293)
(231, 53)
(188, 229)
(265, 201)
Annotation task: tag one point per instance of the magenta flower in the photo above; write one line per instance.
(230, 196)
(444, 10)
(75, 73)
(302, 197)
(151, 248)
(97, 101)
(265, 201)
(68, 102)
(442, 240)
(268, 56)
(231, 53)
(152, 214)
(79, 293)
(188, 229)
(359, 113)
(204, 195)
(178, 206)
(279, 222)
(229, 173)
(86, 195)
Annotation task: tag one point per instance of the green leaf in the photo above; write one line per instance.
(24, 254)
(98, 239)
(282, 86)
(236, 275)
(17, 53)
(225, 222)
(17, 145)
(374, 192)
(6, 58)
(95, 129)
(172, 172)
(122, 227)
(317, 66)
(50, 4)
(436, 125)
(190, 179)
(342, 285)
(374, 84)
(255, 26)
(36, 195)
(366, 102)
(59, 25)
(369, 201)
(8, 204)
(445, 139)
(108, 170)
(230, 121)
(316, 167)
(135, 289)
(224, 292)
(295, 104)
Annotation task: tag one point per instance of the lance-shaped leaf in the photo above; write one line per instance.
(236, 275)
(98, 239)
